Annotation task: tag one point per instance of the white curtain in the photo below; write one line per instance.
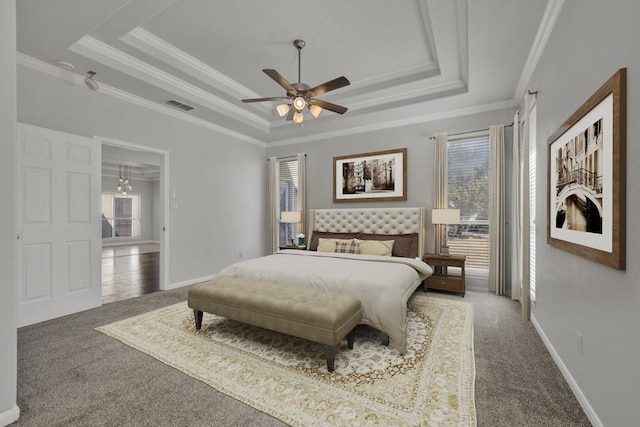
(526, 214)
(497, 211)
(516, 213)
(302, 193)
(274, 205)
(440, 180)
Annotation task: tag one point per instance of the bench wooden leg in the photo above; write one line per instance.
(350, 338)
(331, 358)
(198, 316)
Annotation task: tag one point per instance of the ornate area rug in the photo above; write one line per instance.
(286, 377)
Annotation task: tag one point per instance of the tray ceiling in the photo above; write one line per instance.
(406, 60)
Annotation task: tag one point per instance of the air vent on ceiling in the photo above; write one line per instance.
(180, 105)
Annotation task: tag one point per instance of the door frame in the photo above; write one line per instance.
(164, 199)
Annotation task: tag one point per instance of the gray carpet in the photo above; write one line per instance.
(71, 375)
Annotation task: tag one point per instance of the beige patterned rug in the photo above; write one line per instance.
(286, 377)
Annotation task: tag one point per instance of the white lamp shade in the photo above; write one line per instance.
(290, 216)
(298, 117)
(283, 109)
(445, 216)
(315, 110)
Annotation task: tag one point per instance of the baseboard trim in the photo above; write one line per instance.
(189, 282)
(584, 403)
(9, 416)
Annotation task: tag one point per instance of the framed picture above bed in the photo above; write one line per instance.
(368, 177)
(586, 180)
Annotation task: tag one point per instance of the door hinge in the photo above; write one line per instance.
(164, 229)
(18, 237)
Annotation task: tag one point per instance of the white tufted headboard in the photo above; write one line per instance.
(370, 220)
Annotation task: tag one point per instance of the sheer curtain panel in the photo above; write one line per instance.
(440, 180)
(497, 211)
(274, 205)
(516, 213)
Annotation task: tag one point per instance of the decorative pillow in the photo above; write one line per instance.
(329, 245)
(405, 245)
(375, 247)
(347, 247)
(316, 235)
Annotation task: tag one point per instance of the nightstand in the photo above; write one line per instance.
(441, 279)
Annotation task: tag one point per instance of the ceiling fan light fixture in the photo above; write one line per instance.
(315, 110)
(299, 103)
(283, 109)
(298, 117)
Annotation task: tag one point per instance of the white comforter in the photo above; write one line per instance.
(382, 284)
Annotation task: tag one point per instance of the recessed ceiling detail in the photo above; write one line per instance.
(405, 60)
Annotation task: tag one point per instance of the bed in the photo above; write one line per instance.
(382, 283)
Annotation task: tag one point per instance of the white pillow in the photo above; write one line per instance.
(375, 247)
(329, 245)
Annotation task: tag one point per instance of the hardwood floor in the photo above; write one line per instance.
(129, 271)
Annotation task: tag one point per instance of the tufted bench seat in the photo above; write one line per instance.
(323, 317)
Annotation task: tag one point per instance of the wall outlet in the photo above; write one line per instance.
(174, 205)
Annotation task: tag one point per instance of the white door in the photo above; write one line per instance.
(59, 241)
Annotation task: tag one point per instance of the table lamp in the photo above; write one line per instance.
(445, 217)
(290, 217)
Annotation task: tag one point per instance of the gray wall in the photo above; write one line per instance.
(219, 182)
(145, 189)
(591, 40)
(8, 287)
(419, 158)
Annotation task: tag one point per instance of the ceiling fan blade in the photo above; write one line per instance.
(277, 98)
(290, 114)
(330, 85)
(280, 80)
(328, 106)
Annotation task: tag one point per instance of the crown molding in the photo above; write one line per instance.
(103, 53)
(547, 25)
(52, 70)
(402, 122)
(167, 53)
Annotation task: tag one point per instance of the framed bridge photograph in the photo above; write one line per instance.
(586, 181)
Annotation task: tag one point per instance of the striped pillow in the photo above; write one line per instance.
(350, 247)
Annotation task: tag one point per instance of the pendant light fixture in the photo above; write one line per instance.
(124, 184)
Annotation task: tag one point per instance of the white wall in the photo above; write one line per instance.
(156, 226)
(9, 412)
(419, 158)
(219, 182)
(145, 189)
(590, 42)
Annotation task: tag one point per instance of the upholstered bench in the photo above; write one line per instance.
(323, 317)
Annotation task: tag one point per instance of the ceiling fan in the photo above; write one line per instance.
(301, 95)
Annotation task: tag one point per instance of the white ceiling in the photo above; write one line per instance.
(408, 61)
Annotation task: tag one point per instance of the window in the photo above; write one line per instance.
(120, 216)
(468, 190)
(288, 184)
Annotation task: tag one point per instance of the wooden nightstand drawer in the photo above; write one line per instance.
(441, 279)
(445, 283)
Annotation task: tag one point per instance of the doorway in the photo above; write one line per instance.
(134, 214)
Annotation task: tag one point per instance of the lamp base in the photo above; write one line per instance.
(444, 251)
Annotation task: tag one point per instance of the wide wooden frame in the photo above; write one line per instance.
(586, 171)
(355, 193)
